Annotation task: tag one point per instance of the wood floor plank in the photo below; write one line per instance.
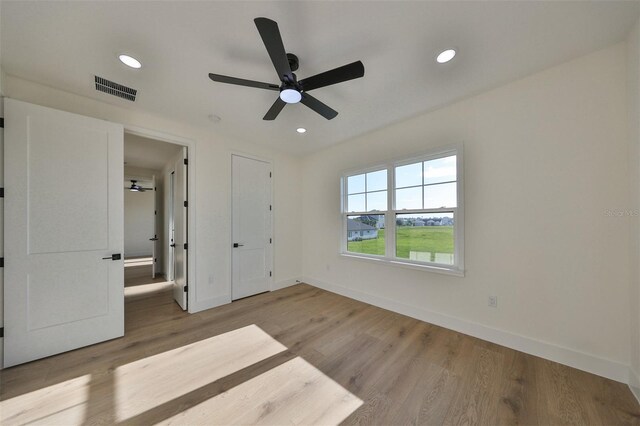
(332, 360)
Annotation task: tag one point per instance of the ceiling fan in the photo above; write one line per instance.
(137, 188)
(291, 90)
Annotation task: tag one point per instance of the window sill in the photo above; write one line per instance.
(409, 265)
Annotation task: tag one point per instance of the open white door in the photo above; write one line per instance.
(63, 232)
(180, 198)
(251, 217)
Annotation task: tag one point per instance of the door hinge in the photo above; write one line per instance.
(269, 206)
(155, 212)
(269, 174)
(186, 162)
(1, 122)
(1, 331)
(185, 246)
(186, 288)
(155, 260)
(155, 188)
(270, 273)
(186, 204)
(1, 192)
(270, 240)
(1, 262)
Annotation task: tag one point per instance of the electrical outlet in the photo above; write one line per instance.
(493, 301)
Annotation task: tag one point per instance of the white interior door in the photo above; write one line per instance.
(252, 233)
(171, 261)
(180, 197)
(154, 239)
(63, 223)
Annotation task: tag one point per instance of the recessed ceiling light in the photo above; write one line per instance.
(301, 130)
(446, 56)
(130, 61)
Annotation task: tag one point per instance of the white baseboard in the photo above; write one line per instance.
(284, 283)
(576, 359)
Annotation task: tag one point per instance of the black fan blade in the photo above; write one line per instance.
(318, 106)
(270, 34)
(336, 75)
(275, 109)
(242, 82)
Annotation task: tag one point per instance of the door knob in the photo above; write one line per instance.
(172, 245)
(235, 245)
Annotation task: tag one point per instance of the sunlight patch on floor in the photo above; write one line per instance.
(138, 261)
(147, 289)
(60, 404)
(142, 385)
(292, 393)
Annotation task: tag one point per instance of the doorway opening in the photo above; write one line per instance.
(155, 218)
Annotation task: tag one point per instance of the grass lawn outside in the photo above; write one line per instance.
(421, 239)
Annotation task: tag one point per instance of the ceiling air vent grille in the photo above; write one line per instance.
(115, 89)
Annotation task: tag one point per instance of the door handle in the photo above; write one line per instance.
(153, 239)
(236, 245)
(116, 256)
(172, 245)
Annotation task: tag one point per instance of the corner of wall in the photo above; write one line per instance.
(633, 109)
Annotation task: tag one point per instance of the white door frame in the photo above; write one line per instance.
(273, 244)
(191, 211)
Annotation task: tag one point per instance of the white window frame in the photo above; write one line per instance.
(457, 268)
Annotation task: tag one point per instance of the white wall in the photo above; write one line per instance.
(545, 159)
(138, 223)
(212, 162)
(633, 82)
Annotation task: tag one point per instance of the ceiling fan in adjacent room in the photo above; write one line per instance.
(137, 188)
(291, 90)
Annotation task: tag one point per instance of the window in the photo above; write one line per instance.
(366, 192)
(418, 222)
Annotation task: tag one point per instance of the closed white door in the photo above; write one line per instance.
(180, 250)
(252, 233)
(64, 276)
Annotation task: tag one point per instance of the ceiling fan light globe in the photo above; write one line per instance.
(290, 96)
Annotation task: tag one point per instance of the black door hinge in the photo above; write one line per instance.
(186, 162)
(270, 273)
(1, 192)
(269, 174)
(155, 260)
(1, 331)
(186, 204)
(270, 240)
(269, 206)
(1, 262)
(185, 245)
(186, 288)
(155, 212)
(1, 122)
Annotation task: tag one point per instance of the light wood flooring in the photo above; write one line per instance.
(301, 355)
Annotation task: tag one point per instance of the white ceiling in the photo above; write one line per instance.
(63, 44)
(147, 153)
